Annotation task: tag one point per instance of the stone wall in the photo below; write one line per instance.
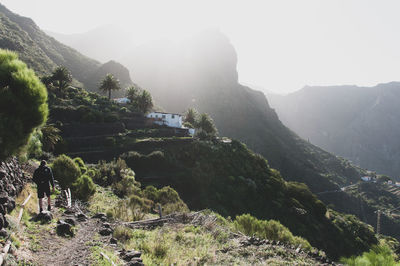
(12, 180)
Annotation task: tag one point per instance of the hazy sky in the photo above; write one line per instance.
(282, 45)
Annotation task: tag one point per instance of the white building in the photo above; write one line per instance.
(167, 119)
(122, 100)
(366, 178)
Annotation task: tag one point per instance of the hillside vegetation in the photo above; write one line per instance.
(358, 123)
(43, 53)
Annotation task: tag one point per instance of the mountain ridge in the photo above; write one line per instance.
(44, 53)
(358, 123)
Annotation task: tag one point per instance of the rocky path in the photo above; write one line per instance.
(56, 250)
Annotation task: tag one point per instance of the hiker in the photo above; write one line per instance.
(43, 176)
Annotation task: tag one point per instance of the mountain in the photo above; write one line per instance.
(201, 72)
(361, 124)
(112, 42)
(43, 53)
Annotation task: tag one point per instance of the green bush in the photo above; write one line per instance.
(81, 164)
(65, 171)
(122, 233)
(33, 148)
(378, 255)
(110, 173)
(23, 104)
(127, 185)
(167, 197)
(83, 188)
(271, 229)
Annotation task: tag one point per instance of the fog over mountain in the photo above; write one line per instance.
(201, 72)
(361, 124)
(112, 41)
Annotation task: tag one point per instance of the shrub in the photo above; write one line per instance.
(378, 255)
(23, 104)
(128, 185)
(271, 229)
(65, 171)
(167, 197)
(81, 164)
(109, 173)
(84, 187)
(123, 233)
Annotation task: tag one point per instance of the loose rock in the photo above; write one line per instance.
(44, 216)
(70, 221)
(64, 229)
(106, 231)
(128, 256)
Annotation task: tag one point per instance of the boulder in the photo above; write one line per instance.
(129, 255)
(135, 262)
(44, 217)
(7, 202)
(70, 221)
(106, 225)
(81, 217)
(99, 215)
(2, 224)
(69, 211)
(3, 233)
(64, 229)
(106, 231)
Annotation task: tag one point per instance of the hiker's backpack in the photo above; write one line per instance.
(42, 175)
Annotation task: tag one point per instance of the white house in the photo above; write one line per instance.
(122, 100)
(366, 178)
(167, 119)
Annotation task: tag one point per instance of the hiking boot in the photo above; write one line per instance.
(49, 208)
(41, 210)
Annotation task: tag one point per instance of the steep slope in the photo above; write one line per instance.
(43, 53)
(201, 72)
(358, 123)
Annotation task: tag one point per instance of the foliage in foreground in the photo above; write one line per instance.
(71, 173)
(378, 255)
(132, 202)
(23, 104)
(268, 229)
(231, 180)
(210, 243)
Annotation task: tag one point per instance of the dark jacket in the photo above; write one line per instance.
(43, 175)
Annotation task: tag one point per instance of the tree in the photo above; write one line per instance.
(145, 102)
(50, 137)
(23, 104)
(61, 78)
(191, 116)
(132, 93)
(207, 127)
(108, 84)
(66, 171)
(141, 99)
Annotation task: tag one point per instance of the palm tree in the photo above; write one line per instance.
(145, 102)
(108, 84)
(191, 116)
(51, 136)
(61, 77)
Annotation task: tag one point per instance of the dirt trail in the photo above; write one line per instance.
(56, 250)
